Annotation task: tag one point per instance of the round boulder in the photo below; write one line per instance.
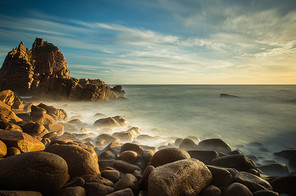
(216, 144)
(237, 189)
(3, 149)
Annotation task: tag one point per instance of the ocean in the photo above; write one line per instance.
(261, 121)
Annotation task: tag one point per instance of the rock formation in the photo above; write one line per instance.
(42, 71)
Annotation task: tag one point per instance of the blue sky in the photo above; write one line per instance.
(161, 41)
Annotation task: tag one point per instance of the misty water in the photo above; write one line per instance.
(261, 121)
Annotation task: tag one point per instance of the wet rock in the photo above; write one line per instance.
(22, 141)
(69, 127)
(76, 181)
(275, 169)
(188, 144)
(253, 182)
(58, 128)
(265, 193)
(8, 97)
(211, 190)
(121, 121)
(19, 193)
(118, 90)
(99, 115)
(124, 136)
(285, 184)
(39, 115)
(183, 177)
(80, 161)
(35, 129)
(132, 147)
(97, 189)
(3, 149)
(84, 130)
(144, 180)
(286, 153)
(205, 156)
(7, 115)
(11, 151)
(129, 156)
(123, 192)
(237, 189)
(145, 138)
(224, 95)
(106, 138)
(71, 191)
(113, 147)
(148, 154)
(127, 181)
(24, 116)
(239, 162)
(97, 179)
(76, 122)
(168, 155)
(221, 177)
(36, 171)
(125, 166)
(107, 155)
(56, 114)
(217, 145)
(106, 122)
(178, 141)
(292, 162)
(10, 126)
(111, 174)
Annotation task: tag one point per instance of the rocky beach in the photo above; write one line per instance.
(48, 150)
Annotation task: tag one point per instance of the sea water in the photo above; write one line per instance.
(262, 120)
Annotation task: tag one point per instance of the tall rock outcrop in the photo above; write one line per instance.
(42, 71)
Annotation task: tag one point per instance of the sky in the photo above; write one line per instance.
(161, 41)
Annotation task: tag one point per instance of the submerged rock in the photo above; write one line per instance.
(215, 144)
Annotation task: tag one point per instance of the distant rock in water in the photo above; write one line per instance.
(42, 71)
(223, 95)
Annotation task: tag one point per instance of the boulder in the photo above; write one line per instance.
(19, 193)
(111, 174)
(274, 169)
(97, 189)
(3, 149)
(35, 129)
(106, 138)
(80, 161)
(168, 155)
(8, 97)
(120, 120)
(71, 191)
(35, 171)
(144, 180)
(7, 115)
(127, 181)
(224, 95)
(205, 156)
(211, 190)
(22, 141)
(76, 181)
(97, 179)
(183, 177)
(132, 147)
(10, 126)
(125, 166)
(253, 182)
(239, 162)
(221, 176)
(58, 128)
(123, 192)
(106, 122)
(39, 115)
(76, 122)
(188, 144)
(118, 90)
(129, 156)
(125, 136)
(287, 154)
(292, 162)
(216, 144)
(237, 189)
(11, 151)
(285, 184)
(56, 114)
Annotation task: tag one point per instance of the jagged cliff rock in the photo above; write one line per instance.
(42, 71)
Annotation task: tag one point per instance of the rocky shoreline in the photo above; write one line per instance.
(44, 152)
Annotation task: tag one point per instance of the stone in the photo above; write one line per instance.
(132, 147)
(35, 129)
(97, 189)
(58, 128)
(76, 122)
(8, 97)
(56, 114)
(265, 193)
(127, 181)
(19, 193)
(205, 156)
(11, 151)
(3, 149)
(211, 190)
(24, 116)
(43, 73)
(237, 189)
(224, 95)
(107, 139)
(285, 184)
(7, 115)
(274, 169)
(113, 147)
(188, 144)
(22, 141)
(80, 161)
(292, 162)
(118, 90)
(10, 126)
(76, 181)
(221, 177)
(106, 155)
(69, 127)
(111, 174)
(253, 182)
(183, 177)
(106, 122)
(144, 180)
(35, 171)
(39, 115)
(121, 121)
(239, 162)
(168, 155)
(129, 156)
(125, 166)
(287, 154)
(123, 192)
(216, 144)
(147, 155)
(71, 191)
(125, 136)
(144, 138)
